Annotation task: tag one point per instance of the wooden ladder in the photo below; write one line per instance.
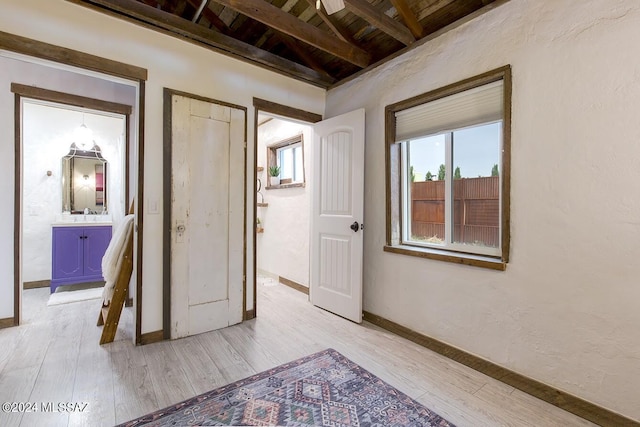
(110, 312)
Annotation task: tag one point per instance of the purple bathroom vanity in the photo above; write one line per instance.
(77, 251)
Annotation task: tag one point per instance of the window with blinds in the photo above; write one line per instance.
(449, 172)
(471, 107)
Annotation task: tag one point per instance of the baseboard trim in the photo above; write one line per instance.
(294, 285)
(36, 284)
(249, 314)
(151, 337)
(556, 397)
(7, 323)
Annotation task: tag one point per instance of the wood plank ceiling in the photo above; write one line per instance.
(294, 38)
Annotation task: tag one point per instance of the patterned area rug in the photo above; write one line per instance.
(323, 389)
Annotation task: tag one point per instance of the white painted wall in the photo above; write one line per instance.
(14, 70)
(47, 134)
(283, 248)
(171, 63)
(566, 311)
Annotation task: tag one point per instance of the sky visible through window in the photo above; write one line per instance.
(475, 151)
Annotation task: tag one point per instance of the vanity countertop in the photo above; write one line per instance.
(80, 223)
(66, 220)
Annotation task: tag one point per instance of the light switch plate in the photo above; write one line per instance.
(153, 206)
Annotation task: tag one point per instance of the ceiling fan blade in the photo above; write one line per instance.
(333, 6)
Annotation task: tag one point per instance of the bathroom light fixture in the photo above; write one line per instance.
(331, 6)
(84, 135)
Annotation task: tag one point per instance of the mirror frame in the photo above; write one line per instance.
(68, 190)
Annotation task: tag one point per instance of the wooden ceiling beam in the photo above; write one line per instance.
(180, 8)
(221, 43)
(211, 17)
(263, 39)
(308, 13)
(175, 7)
(409, 18)
(378, 19)
(286, 23)
(303, 54)
(269, 32)
(333, 24)
(433, 7)
(288, 5)
(204, 4)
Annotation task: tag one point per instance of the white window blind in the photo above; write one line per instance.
(481, 104)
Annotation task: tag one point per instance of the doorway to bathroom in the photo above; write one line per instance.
(74, 191)
(34, 65)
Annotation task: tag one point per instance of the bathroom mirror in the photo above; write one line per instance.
(84, 181)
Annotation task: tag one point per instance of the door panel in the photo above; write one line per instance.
(207, 224)
(335, 264)
(336, 183)
(68, 252)
(208, 316)
(96, 243)
(337, 215)
(207, 197)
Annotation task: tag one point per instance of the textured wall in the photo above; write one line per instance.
(566, 310)
(283, 248)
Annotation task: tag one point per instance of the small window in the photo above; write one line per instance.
(288, 156)
(290, 162)
(448, 159)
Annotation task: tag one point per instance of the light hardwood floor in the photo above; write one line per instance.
(55, 357)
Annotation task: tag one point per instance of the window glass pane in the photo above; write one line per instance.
(286, 163)
(425, 209)
(298, 174)
(476, 185)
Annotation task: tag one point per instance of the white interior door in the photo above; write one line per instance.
(337, 215)
(207, 212)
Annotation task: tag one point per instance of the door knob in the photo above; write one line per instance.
(355, 226)
(180, 229)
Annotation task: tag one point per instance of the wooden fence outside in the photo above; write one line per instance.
(476, 210)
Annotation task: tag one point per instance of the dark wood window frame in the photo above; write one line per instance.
(393, 175)
(272, 160)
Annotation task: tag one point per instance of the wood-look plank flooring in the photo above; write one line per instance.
(55, 357)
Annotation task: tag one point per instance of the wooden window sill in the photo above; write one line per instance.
(275, 187)
(455, 257)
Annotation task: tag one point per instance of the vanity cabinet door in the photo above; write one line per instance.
(77, 254)
(96, 241)
(68, 252)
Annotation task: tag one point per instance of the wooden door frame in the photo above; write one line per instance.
(261, 105)
(24, 92)
(77, 59)
(167, 191)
